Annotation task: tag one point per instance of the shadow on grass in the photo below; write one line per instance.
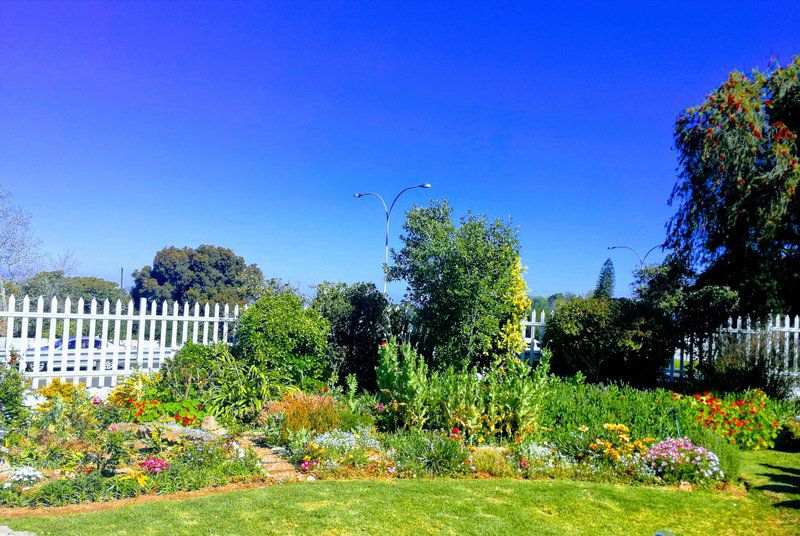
(783, 481)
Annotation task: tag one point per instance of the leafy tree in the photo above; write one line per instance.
(464, 283)
(605, 281)
(695, 310)
(359, 318)
(49, 284)
(551, 302)
(606, 340)
(277, 334)
(208, 273)
(738, 211)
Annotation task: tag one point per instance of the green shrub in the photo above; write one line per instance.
(12, 391)
(503, 401)
(610, 340)
(359, 320)
(420, 452)
(194, 366)
(276, 333)
(403, 387)
(231, 388)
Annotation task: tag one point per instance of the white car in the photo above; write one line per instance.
(77, 349)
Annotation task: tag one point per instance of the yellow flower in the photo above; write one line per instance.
(582, 428)
(480, 439)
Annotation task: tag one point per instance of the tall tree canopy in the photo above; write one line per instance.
(464, 282)
(605, 281)
(738, 211)
(208, 273)
(55, 283)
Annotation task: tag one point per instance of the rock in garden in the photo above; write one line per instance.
(210, 424)
(5, 530)
(169, 431)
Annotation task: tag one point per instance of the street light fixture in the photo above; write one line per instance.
(388, 212)
(641, 259)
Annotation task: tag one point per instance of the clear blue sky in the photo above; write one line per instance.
(126, 127)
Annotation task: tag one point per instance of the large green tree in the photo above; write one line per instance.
(359, 318)
(605, 281)
(55, 283)
(738, 212)
(207, 273)
(551, 302)
(464, 282)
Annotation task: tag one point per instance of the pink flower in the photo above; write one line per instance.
(154, 465)
(97, 400)
(380, 406)
(112, 428)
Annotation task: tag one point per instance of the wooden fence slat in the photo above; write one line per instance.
(185, 335)
(104, 344)
(163, 334)
(215, 330)
(128, 339)
(174, 334)
(65, 338)
(116, 343)
(51, 336)
(37, 335)
(206, 314)
(12, 302)
(226, 313)
(23, 333)
(195, 324)
(91, 354)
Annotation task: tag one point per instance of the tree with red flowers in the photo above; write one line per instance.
(738, 212)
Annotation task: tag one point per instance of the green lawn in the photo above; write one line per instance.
(461, 507)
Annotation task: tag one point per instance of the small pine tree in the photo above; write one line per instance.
(605, 281)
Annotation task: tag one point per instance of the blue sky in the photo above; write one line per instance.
(126, 127)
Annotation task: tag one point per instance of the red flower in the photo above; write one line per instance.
(324, 389)
(384, 343)
(456, 430)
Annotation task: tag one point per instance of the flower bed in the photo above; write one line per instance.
(71, 448)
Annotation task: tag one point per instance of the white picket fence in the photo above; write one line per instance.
(779, 335)
(532, 332)
(776, 337)
(98, 345)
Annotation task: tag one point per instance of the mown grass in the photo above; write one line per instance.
(445, 506)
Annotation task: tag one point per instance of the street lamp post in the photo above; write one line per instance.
(641, 259)
(388, 212)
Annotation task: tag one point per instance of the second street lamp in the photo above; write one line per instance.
(641, 259)
(388, 212)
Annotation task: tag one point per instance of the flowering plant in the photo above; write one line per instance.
(746, 422)
(25, 476)
(679, 459)
(336, 448)
(154, 465)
